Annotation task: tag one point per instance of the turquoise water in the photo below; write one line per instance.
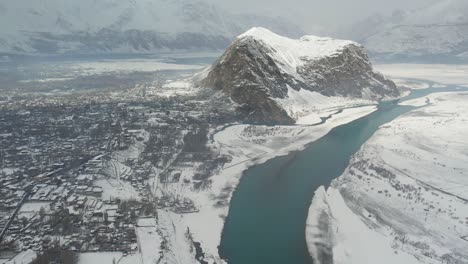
(268, 211)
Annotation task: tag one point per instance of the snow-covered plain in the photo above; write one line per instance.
(130, 65)
(404, 196)
(68, 70)
(440, 73)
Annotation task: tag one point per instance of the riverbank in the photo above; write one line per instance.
(403, 197)
(249, 145)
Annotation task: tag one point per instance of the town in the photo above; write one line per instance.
(82, 173)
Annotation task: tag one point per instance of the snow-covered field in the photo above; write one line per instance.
(149, 240)
(68, 70)
(440, 73)
(130, 65)
(117, 189)
(176, 234)
(404, 196)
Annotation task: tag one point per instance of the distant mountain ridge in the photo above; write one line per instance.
(89, 26)
(438, 32)
(269, 74)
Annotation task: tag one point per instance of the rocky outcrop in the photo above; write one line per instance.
(260, 68)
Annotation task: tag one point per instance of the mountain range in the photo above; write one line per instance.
(436, 33)
(123, 26)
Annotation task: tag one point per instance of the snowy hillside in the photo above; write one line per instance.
(278, 79)
(403, 198)
(88, 26)
(439, 31)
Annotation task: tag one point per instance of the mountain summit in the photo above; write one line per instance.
(268, 74)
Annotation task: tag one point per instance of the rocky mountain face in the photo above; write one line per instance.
(437, 33)
(109, 26)
(261, 69)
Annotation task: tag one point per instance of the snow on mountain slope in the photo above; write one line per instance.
(403, 198)
(277, 79)
(439, 31)
(50, 26)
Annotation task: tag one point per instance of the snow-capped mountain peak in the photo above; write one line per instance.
(307, 47)
(275, 78)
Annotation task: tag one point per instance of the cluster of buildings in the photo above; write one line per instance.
(63, 167)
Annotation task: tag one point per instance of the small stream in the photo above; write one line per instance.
(268, 210)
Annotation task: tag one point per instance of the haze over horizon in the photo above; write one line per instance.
(314, 16)
(318, 16)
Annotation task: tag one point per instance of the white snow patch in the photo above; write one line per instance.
(149, 241)
(99, 257)
(116, 189)
(308, 107)
(351, 240)
(130, 65)
(292, 51)
(23, 257)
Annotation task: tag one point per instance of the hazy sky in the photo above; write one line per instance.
(326, 13)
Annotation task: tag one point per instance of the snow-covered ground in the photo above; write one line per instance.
(117, 189)
(99, 257)
(440, 73)
(108, 257)
(149, 240)
(130, 65)
(177, 237)
(404, 196)
(30, 209)
(291, 52)
(68, 70)
(23, 257)
(173, 88)
(308, 107)
(248, 145)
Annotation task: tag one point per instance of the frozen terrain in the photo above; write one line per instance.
(441, 74)
(403, 198)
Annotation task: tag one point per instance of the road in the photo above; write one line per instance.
(13, 215)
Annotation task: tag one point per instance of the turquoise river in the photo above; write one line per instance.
(268, 210)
